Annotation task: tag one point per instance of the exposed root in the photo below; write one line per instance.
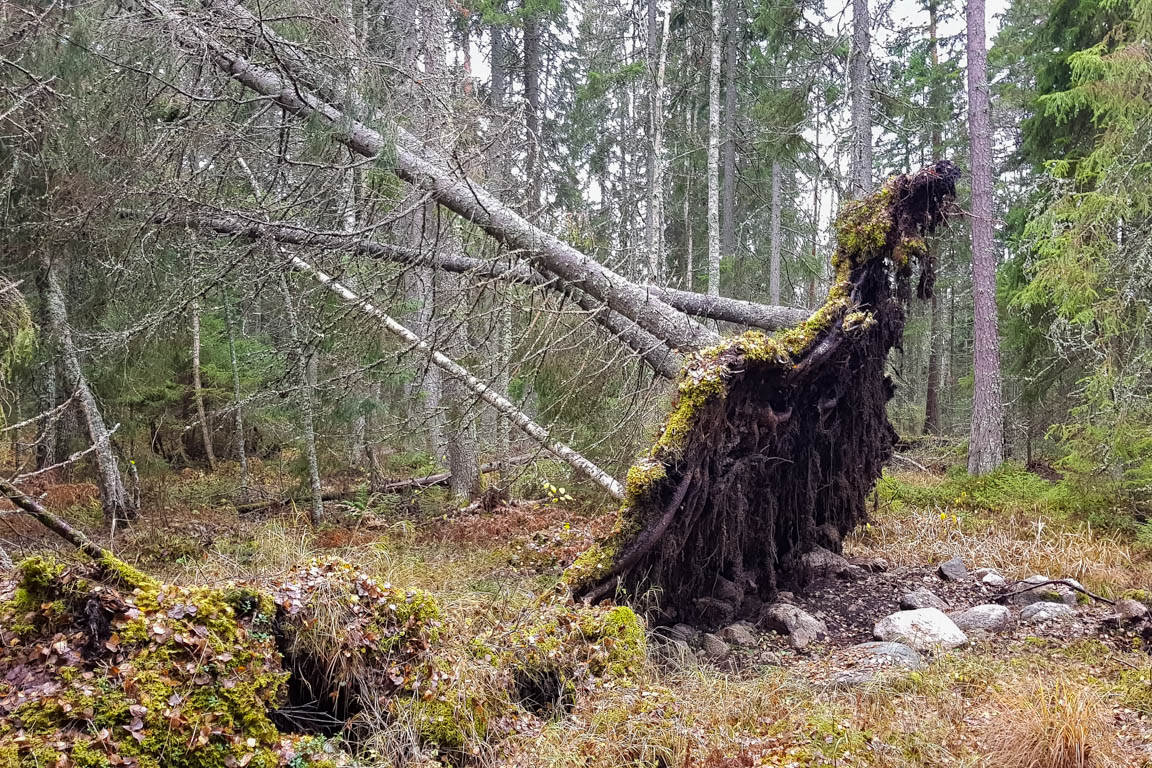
(774, 441)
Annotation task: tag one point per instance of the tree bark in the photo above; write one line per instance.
(774, 258)
(529, 427)
(655, 221)
(749, 313)
(532, 109)
(713, 170)
(860, 162)
(197, 390)
(986, 442)
(46, 397)
(237, 400)
(731, 90)
(305, 378)
(936, 327)
(115, 501)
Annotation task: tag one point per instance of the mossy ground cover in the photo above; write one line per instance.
(479, 664)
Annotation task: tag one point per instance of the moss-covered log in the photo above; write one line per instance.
(774, 441)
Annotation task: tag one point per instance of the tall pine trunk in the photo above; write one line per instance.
(936, 327)
(860, 160)
(986, 441)
(774, 258)
(728, 192)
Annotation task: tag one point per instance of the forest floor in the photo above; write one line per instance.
(1002, 700)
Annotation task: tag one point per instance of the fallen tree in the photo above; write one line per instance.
(774, 441)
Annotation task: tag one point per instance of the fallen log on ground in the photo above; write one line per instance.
(427, 481)
(774, 441)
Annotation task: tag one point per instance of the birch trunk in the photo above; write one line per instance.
(197, 389)
(986, 442)
(860, 159)
(655, 222)
(728, 192)
(936, 328)
(304, 362)
(115, 501)
(529, 427)
(713, 171)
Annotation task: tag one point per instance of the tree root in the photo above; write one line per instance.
(774, 442)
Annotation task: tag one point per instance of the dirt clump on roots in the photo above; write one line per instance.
(774, 441)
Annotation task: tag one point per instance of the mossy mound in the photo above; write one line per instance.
(102, 666)
(397, 673)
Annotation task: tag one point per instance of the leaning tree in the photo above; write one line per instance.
(775, 437)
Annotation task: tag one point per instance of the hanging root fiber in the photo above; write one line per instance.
(774, 441)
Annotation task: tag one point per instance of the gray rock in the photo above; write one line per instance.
(987, 618)
(922, 598)
(853, 573)
(993, 580)
(738, 634)
(828, 536)
(822, 562)
(785, 597)
(714, 647)
(876, 661)
(802, 628)
(1038, 613)
(687, 633)
(887, 655)
(1127, 610)
(1049, 593)
(871, 564)
(953, 570)
(925, 629)
(714, 612)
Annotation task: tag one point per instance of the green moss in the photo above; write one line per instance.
(1139, 595)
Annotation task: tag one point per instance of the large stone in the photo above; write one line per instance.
(822, 562)
(989, 577)
(802, 628)
(953, 570)
(683, 633)
(875, 661)
(1038, 613)
(925, 629)
(986, 618)
(1048, 593)
(738, 634)
(714, 611)
(922, 598)
(1126, 610)
(714, 647)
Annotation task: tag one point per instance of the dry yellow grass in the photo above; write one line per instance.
(1017, 544)
(1051, 724)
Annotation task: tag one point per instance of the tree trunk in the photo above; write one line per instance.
(115, 501)
(655, 222)
(728, 193)
(774, 259)
(486, 393)
(752, 314)
(303, 361)
(46, 396)
(986, 442)
(860, 162)
(241, 451)
(532, 109)
(713, 171)
(426, 170)
(197, 390)
(500, 150)
(936, 329)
